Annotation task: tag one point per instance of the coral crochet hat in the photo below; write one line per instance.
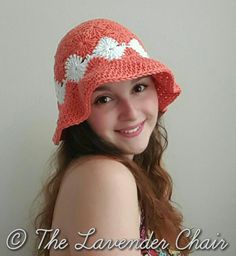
(99, 51)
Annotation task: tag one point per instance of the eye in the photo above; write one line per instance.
(140, 87)
(102, 100)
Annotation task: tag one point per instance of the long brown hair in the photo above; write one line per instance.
(153, 182)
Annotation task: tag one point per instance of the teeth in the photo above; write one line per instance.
(131, 131)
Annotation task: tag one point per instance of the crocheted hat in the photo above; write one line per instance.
(99, 51)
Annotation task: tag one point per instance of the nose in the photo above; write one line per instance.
(128, 110)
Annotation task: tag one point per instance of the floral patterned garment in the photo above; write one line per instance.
(154, 252)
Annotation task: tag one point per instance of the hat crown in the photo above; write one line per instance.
(83, 39)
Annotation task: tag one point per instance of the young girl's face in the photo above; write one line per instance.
(125, 113)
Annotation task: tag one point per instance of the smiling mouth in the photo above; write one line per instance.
(133, 130)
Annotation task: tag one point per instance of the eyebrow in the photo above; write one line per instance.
(107, 88)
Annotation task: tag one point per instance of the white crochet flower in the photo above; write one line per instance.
(60, 91)
(109, 48)
(75, 67)
(135, 45)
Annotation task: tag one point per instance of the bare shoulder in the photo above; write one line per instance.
(90, 174)
(94, 163)
(100, 192)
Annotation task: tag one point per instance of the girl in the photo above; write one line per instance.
(109, 173)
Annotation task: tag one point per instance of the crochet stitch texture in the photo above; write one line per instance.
(96, 52)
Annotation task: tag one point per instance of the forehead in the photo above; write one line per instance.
(109, 86)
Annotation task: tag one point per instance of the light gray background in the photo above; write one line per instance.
(196, 39)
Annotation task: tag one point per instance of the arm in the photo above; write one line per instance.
(101, 193)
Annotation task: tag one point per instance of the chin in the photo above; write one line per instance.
(138, 149)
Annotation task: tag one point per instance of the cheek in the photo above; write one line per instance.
(98, 121)
(151, 103)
